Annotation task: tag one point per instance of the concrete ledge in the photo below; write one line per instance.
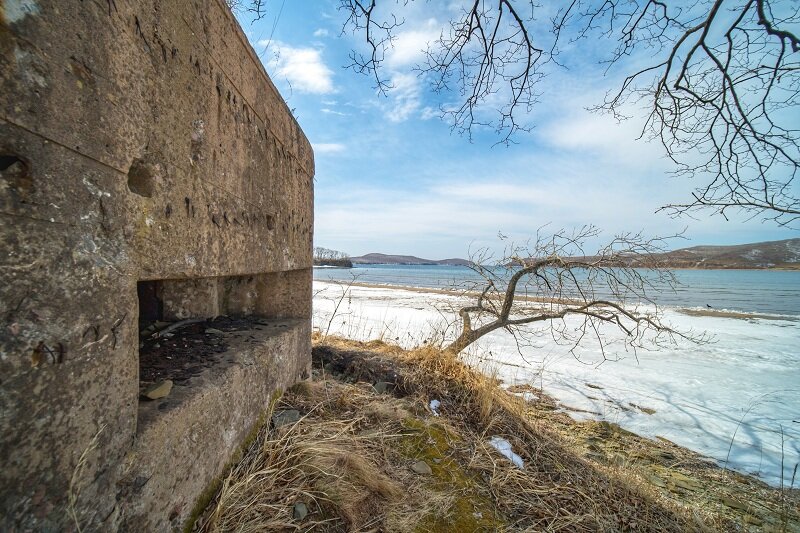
(215, 411)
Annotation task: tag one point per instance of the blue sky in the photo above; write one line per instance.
(391, 178)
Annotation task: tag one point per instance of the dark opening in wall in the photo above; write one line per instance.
(15, 171)
(142, 178)
(7, 160)
(151, 308)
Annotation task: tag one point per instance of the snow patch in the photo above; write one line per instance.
(504, 447)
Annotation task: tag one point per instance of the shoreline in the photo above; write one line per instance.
(689, 311)
(781, 269)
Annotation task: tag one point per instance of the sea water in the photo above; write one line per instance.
(748, 291)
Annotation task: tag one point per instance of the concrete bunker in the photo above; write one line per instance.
(154, 190)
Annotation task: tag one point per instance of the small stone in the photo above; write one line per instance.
(733, 503)
(382, 386)
(214, 331)
(300, 511)
(282, 418)
(421, 467)
(599, 457)
(753, 520)
(158, 390)
(667, 456)
(687, 484)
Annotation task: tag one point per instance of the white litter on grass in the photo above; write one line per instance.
(528, 396)
(434, 405)
(504, 447)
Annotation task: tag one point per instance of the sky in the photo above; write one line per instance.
(391, 177)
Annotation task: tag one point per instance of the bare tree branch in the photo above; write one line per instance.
(721, 89)
(722, 94)
(553, 282)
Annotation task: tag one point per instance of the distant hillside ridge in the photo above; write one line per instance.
(772, 254)
(386, 259)
(783, 254)
(775, 255)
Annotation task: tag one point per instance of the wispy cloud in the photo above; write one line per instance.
(333, 112)
(405, 97)
(429, 113)
(409, 46)
(329, 148)
(302, 67)
(414, 189)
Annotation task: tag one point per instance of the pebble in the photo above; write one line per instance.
(300, 511)
(421, 467)
(158, 390)
(382, 386)
(282, 418)
(214, 331)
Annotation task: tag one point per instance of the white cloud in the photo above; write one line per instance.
(321, 32)
(329, 148)
(585, 133)
(429, 113)
(333, 112)
(303, 68)
(405, 97)
(409, 46)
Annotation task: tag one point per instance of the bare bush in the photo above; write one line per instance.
(553, 282)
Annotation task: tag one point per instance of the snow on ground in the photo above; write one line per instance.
(504, 447)
(736, 400)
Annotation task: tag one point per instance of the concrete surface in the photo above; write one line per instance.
(139, 140)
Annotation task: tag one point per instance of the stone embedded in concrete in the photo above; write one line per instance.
(145, 158)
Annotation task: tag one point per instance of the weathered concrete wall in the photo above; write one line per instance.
(139, 140)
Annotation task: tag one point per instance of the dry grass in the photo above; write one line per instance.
(562, 492)
(348, 459)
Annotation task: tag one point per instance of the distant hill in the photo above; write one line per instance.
(772, 254)
(756, 256)
(385, 259)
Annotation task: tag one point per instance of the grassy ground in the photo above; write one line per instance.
(368, 454)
